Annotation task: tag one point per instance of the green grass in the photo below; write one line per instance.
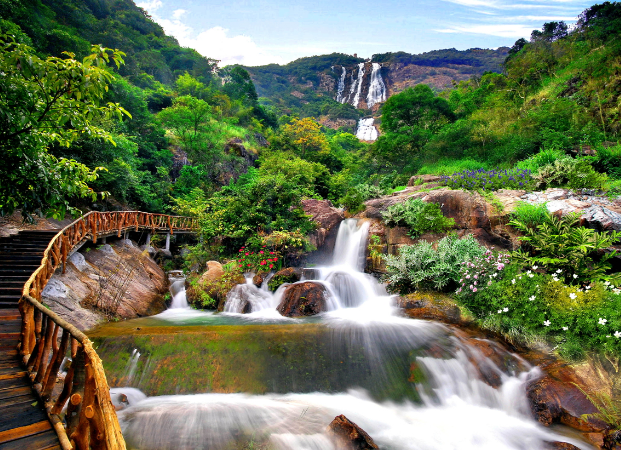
(449, 167)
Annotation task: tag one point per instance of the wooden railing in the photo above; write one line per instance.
(91, 421)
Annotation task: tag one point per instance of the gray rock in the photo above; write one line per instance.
(77, 259)
(55, 289)
(108, 250)
(128, 243)
(601, 218)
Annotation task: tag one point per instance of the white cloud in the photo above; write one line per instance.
(150, 6)
(213, 43)
(178, 13)
(505, 30)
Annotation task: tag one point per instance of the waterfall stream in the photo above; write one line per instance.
(266, 381)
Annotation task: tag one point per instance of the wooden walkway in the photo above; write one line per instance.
(23, 421)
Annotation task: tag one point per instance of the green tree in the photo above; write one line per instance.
(44, 102)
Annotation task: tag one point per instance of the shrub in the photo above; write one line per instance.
(558, 245)
(421, 266)
(541, 159)
(531, 214)
(357, 195)
(573, 173)
(448, 167)
(418, 216)
(608, 160)
(489, 180)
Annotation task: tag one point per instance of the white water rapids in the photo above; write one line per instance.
(456, 409)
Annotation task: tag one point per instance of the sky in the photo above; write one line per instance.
(258, 32)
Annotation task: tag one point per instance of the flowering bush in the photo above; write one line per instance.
(535, 305)
(482, 271)
(259, 259)
(490, 180)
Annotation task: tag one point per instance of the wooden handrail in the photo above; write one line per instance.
(91, 421)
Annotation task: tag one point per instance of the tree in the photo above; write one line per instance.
(409, 120)
(305, 138)
(190, 120)
(44, 102)
(550, 32)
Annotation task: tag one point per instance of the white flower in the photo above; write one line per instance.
(559, 271)
(505, 309)
(535, 267)
(495, 275)
(602, 321)
(547, 323)
(575, 276)
(617, 334)
(617, 291)
(572, 296)
(606, 283)
(565, 328)
(588, 287)
(530, 275)
(531, 298)
(513, 281)
(528, 271)
(500, 311)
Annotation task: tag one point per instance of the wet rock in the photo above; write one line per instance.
(555, 398)
(556, 445)
(303, 299)
(259, 278)
(348, 435)
(286, 275)
(431, 307)
(327, 218)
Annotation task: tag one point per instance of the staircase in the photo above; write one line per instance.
(23, 421)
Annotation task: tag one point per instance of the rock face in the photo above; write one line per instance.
(348, 435)
(431, 307)
(114, 278)
(303, 299)
(327, 218)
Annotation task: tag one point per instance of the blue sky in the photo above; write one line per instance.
(279, 31)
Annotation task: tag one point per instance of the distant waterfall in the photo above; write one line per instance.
(377, 88)
(356, 99)
(341, 87)
(366, 130)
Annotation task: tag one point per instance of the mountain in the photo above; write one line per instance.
(339, 89)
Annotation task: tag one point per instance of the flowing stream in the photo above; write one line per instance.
(189, 379)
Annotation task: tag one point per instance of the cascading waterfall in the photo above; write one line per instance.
(179, 300)
(377, 88)
(410, 384)
(366, 130)
(341, 87)
(358, 85)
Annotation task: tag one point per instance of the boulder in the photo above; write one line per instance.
(422, 179)
(286, 275)
(326, 216)
(349, 436)
(429, 306)
(259, 278)
(555, 398)
(214, 272)
(303, 299)
(601, 218)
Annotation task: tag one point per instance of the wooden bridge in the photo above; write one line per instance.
(39, 410)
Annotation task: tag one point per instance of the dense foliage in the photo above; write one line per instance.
(418, 216)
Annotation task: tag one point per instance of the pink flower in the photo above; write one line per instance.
(271, 265)
(500, 266)
(261, 252)
(246, 254)
(249, 265)
(241, 265)
(474, 290)
(263, 263)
